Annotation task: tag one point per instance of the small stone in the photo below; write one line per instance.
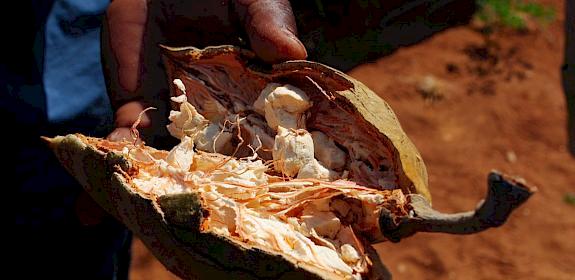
(511, 156)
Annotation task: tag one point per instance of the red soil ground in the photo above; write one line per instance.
(472, 105)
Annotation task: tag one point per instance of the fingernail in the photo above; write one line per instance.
(297, 41)
(117, 136)
(113, 136)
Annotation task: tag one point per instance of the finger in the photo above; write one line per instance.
(120, 134)
(126, 20)
(271, 29)
(123, 134)
(129, 113)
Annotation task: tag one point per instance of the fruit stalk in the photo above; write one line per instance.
(504, 195)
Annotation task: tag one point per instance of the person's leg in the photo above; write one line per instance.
(98, 252)
(51, 241)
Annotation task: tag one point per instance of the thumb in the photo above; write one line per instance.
(271, 29)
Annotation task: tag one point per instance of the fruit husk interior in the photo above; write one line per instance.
(169, 225)
(340, 102)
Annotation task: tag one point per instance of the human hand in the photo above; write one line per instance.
(134, 28)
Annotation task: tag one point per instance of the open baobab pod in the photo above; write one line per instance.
(288, 172)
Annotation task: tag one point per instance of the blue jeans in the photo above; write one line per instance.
(50, 240)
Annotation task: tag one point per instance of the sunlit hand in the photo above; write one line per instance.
(134, 28)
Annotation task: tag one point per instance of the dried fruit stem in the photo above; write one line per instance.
(503, 196)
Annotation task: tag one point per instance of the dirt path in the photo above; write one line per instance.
(471, 107)
(468, 116)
